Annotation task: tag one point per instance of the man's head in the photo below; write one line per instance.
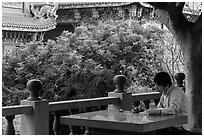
(163, 81)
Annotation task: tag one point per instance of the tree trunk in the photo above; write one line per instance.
(189, 37)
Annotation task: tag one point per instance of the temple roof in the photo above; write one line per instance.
(24, 23)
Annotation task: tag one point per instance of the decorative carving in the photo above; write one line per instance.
(46, 11)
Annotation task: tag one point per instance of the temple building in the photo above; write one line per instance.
(24, 22)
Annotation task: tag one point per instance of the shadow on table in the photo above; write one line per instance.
(97, 131)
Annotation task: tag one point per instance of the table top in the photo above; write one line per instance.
(124, 121)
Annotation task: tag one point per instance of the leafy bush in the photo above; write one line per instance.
(82, 64)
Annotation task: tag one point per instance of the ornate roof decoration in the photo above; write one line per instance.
(73, 5)
(23, 23)
(46, 11)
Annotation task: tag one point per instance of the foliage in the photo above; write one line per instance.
(172, 59)
(82, 64)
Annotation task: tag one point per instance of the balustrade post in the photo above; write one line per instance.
(126, 98)
(179, 77)
(56, 123)
(10, 128)
(37, 122)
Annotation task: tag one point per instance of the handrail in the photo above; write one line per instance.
(16, 110)
(62, 105)
(146, 96)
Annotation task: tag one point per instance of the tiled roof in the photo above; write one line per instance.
(73, 5)
(24, 23)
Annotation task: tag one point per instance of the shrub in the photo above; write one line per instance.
(86, 61)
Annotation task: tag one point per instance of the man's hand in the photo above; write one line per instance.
(154, 111)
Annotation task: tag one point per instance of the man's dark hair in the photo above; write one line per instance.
(163, 79)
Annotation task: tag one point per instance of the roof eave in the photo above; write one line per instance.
(28, 29)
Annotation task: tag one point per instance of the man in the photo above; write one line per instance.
(172, 101)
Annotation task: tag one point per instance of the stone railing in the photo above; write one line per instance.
(34, 111)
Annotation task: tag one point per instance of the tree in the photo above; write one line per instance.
(189, 37)
(172, 57)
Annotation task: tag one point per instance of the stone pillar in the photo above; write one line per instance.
(126, 98)
(37, 122)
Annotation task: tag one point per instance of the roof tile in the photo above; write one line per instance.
(27, 23)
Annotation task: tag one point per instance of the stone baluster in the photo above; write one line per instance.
(179, 77)
(56, 123)
(88, 131)
(10, 128)
(73, 129)
(37, 122)
(126, 98)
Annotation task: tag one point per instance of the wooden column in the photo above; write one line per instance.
(37, 122)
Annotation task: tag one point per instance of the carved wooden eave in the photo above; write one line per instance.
(79, 5)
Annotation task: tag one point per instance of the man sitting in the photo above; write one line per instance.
(172, 101)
